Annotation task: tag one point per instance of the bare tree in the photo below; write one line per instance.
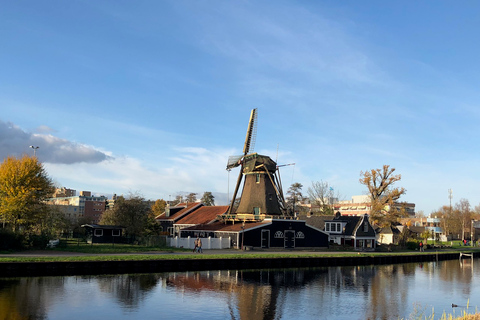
(322, 195)
(383, 196)
(464, 215)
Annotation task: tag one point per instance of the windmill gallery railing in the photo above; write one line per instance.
(248, 217)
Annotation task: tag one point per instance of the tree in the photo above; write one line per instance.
(294, 196)
(208, 199)
(191, 197)
(158, 207)
(24, 185)
(464, 215)
(178, 199)
(133, 213)
(447, 217)
(322, 195)
(384, 198)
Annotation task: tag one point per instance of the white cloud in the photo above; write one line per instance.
(15, 141)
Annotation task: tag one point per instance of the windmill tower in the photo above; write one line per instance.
(262, 194)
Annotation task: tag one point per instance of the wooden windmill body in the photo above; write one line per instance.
(262, 195)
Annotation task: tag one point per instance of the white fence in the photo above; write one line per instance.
(207, 243)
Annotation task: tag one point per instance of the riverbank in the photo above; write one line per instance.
(47, 263)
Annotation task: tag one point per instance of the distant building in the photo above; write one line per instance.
(361, 205)
(431, 225)
(64, 192)
(83, 206)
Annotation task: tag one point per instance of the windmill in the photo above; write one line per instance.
(262, 194)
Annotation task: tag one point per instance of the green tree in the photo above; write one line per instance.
(191, 197)
(24, 185)
(133, 213)
(294, 197)
(385, 209)
(208, 199)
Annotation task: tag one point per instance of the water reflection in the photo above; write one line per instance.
(363, 292)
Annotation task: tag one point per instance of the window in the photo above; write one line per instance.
(98, 232)
(278, 234)
(116, 232)
(365, 226)
(327, 227)
(257, 178)
(256, 210)
(300, 235)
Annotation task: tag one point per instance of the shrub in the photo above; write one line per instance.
(412, 245)
(10, 240)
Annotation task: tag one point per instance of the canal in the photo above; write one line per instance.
(396, 291)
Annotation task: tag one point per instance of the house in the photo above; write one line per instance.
(267, 233)
(355, 231)
(174, 214)
(387, 235)
(202, 215)
(103, 234)
(316, 221)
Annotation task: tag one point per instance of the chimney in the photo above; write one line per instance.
(167, 210)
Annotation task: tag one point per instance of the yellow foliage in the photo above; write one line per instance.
(24, 185)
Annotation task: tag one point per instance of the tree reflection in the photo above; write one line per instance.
(28, 298)
(128, 289)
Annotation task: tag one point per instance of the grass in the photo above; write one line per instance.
(419, 314)
(126, 253)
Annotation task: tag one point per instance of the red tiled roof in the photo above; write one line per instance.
(203, 215)
(221, 226)
(179, 214)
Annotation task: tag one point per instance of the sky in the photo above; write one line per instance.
(152, 97)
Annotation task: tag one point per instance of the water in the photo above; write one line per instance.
(363, 292)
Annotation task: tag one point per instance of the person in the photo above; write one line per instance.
(199, 245)
(421, 246)
(195, 245)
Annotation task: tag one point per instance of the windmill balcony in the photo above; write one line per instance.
(245, 217)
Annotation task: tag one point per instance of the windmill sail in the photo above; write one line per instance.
(262, 195)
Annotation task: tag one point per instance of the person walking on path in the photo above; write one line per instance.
(421, 246)
(199, 245)
(196, 245)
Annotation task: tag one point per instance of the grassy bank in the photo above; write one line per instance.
(186, 254)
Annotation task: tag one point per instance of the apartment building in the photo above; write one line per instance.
(361, 205)
(82, 206)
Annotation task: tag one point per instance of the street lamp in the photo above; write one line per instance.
(34, 150)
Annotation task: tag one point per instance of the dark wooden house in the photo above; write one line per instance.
(354, 231)
(268, 233)
(103, 233)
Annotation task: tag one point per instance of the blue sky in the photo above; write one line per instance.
(153, 96)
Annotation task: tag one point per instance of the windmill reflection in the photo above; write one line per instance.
(252, 294)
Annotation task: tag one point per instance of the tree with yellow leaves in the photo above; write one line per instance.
(24, 185)
(385, 209)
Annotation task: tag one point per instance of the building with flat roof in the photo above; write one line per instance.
(83, 206)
